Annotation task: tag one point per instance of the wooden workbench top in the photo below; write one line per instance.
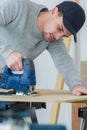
(45, 95)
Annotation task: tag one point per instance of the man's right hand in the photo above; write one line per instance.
(14, 61)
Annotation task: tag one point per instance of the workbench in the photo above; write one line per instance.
(47, 96)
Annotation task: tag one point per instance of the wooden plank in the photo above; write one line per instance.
(83, 68)
(75, 106)
(44, 95)
(75, 119)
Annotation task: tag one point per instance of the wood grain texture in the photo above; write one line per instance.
(45, 95)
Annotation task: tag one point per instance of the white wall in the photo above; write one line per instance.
(46, 72)
(83, 35)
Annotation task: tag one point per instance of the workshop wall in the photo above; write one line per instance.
(82, 37)
(46, 72)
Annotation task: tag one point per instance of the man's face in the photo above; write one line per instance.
(54, 28)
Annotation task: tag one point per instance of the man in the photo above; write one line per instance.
(27, 29)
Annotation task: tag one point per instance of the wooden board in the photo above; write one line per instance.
(75, 106)
(45, 95)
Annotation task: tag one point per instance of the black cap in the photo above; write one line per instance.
(73, 16)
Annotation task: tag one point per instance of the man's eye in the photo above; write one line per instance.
(65, 36)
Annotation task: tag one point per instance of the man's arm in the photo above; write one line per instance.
(66, 67)
(8, 14)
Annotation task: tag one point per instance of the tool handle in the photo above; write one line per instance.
(27, 65)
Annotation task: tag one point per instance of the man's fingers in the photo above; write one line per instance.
(75, 92)
(83, 90)
(14, 61)
(23, 57)
(79, 90)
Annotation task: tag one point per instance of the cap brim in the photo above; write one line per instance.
(69, 28)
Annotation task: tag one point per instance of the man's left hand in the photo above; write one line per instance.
(79, 90)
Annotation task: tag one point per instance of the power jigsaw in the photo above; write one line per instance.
(20, 82)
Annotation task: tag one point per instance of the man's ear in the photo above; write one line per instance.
(54, 10)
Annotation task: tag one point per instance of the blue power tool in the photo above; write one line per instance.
(24, 82)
